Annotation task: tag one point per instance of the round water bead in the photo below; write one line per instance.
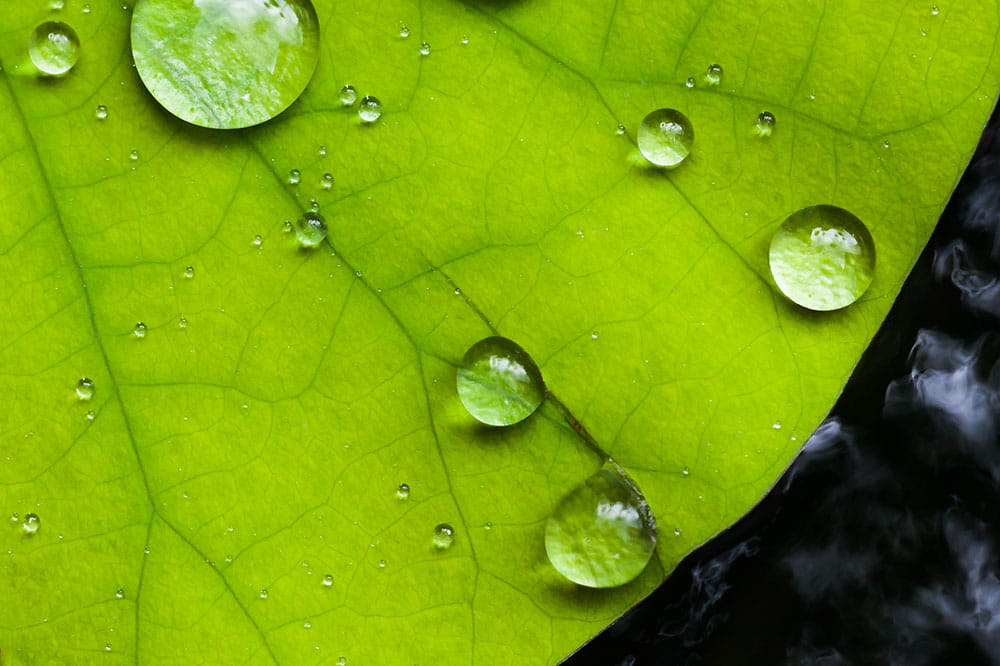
(85, 388)
(403, 491)
(140, 330)
(54, 48)
(444, 536)
(499, 383)
(348, 95)
(370, 109)
(765, 123)
(602, 532)
(101, 112)
(713, 75)
(310, 229)
(225, 64)
(31, 523)
(665, 137)
(822, 258)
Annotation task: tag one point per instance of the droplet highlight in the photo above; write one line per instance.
(101, 112)
(765, 124)
(403, 491)
(425, 49)
(665, 137)
(444, 536)
(328, 580)
(348, 95)
(31, 523)
(370, 109)
(499, 383)
(713, 75)
(85, 388)
(310, 229)
(54, 48)
(139, 330)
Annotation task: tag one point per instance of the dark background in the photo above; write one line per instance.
(881, 543)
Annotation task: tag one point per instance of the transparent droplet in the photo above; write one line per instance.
(263, 594)
(776, 425)
(86, 9)
(425, 48)
(935, 11)
(885, 143)
(307, 624)
(107, 647)
(686, 471)
(620, 129)
(120, 593)
(258, 240)
(101, 112)
(594, 335)
(444, 536)
(381, 564)
(342, 661)
(189, 272)
(56, 5)
(294, 177)
(54, 48)
(287, 226)
(328, 580)
(140, 330)
(15, 517)
(602, 532)
(133, 155)
(322, 151)
(403, 491)
(91, 415)
(677, 531)
(465, 39)
(310, 229)
(85, 388)
(348, 95)
(404, 30)
(499, 383)
(822, 258)
(326, 182)
(225, 65)
(665, 137)
(31, 523)
(370, 109)
(690, 82)
(713, 75)
(765, 123)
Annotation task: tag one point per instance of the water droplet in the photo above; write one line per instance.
(381, 564)
(348, 95)
(822, 258)
(404, 30)
(690, 82)
(342, 661)
(85, 388)
(326, 182)
(677, 531)
(287, 226)
(328, 580)
(54, 48)
(594, 335)
(189, 272)
(101, 112)
(307, 624)
(499, 383)
(620, 129)
(86, 9)
(885, 143)
(765, 123)
(488, 525)
(370, 109)
(258, 240)
(310, 229)
(225, 64)
(322, 151)
(686, 471)
(57, 5)
(31, 523)
(15, 517)
(91, 415)
(262, 594)
(602, 532)
(403, 491)
(713, 75)
(134, 155)
(140, 330)
(294, 177)
(425, 49)
(665, 137)
(145, 550)
(444, 536)
(465, 39)
(120, 593)
(935, 11)
(107, 647)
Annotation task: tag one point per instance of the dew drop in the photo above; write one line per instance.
(690, 82)
(686, 471)
(403, 491)
(594, 335)
(101, 112)
(444, 536)
(381, 564)
(294, 177)
(342, 661)
(91, 415)
(287, 226)
(425, 49)
(134, 155)
(263, 594)
(499, 383)
(935, 11)
(776, 425)
(225, 65)
(85, 388)
(885, 143)
(310, 229)
(189, 272)
(370, 109)
(677, 531)
(620, 130)
(328, 580)
(140, 330)
(307, 624)
(465, 39)
(326, 182)
(258, 240)
(322, 151)
(713, 75)
(56, 5)
(765, 123)
(665, 137)
(602, 532)
(404, 30)
(107, 647)
(822, 258)
(120, 593)
(54, 48)
(31, 523)
(15, 517)
(348, 95)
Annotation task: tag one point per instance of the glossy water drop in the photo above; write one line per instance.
(107, 647)
(15, 517)
(823, 258)
(677, 531)
(31, 523)
(91, 415)
(307, 624)
(620, 130)
(713, 75)
(499, 383)
(665, 137)
(885, 143)
(935, 11)
(139, 331)
(258, 240)
(328, 580)
(381, 564)
(54, 48)
(287, 226)
(294, 177)
(310, 229)
(404, 30)
(444, 536)
(765, 123)
(342, 661)
(686, 471)
(86, 9)
(425, 49)
(403, 491)
(134, 155)
(322, 151)
(85, 388)
(225, 64)
(189, 272)
(56, 5)
(101, 112)
(465, 39)
(326, 182)
(370, 109)
(690, 82)
(602, 532)
(348, 95)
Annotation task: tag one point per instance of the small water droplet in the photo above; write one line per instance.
(15, 517)
(31, 523)
(499, 383)
(263, 594)
(145, 550)
(101, 112)
(57, 5)
(690, 82)
(713, 75)
(370, 109)
(189, 272)
(322, 151)
(457, 291)
(140, 330)
(107, 647)
(182, 322)
(686, 471)
(120, 593)
(665, 137)
(134, 155)
(294, 177)
(54, 48)
(258, 240)
(381, 564)
(342, 661)
(425, 49)
(465, 39)
(348, 95)
(594, 335)
(488, 525)
(310, 229)
(85, 388)
(287, 226)
(404, 30)
(765, 123)
(328, 580)
(326, 182)
(776, 425)
(403, 491)
(91, 415)
(444, 536)
(677, 531)
(86, 9)
(620, 130)
(885, 143)
(935, 10)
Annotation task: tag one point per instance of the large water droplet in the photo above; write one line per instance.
(602, 532)
(31, 523)
(822, 258)
(370, 109)
(310, 229)
(444, 536)
(713, 75)
(224, 64)
(499, 383)
(348, 95)
(85, 388)
(665, 137)
(765, 123)
(54, 48)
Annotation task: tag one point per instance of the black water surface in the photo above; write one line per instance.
(881, 544)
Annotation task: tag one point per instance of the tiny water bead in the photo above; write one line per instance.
(765, 123)
(101, 112)
(133, 155)
(258, 240)
(713, 75)
(620, 130)
(499, 383)
(822, 258)
(403, 491)
(120, 593)
(140, 330)
(326, 182)
(85, 388)
(348, 95)
(444, 536)
(310, 229)
(690, 82)
(425, 49)
(404, 30)
(294, 177)
(189, 272)
(223, 64)
(665, 137)
(370, 109)
(328, 580)
(602, 532)
(263, 594)
(54, 48)
(31, 523)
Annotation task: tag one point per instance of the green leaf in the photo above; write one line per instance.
(261, 445)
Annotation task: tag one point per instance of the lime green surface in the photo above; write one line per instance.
(261, 445)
